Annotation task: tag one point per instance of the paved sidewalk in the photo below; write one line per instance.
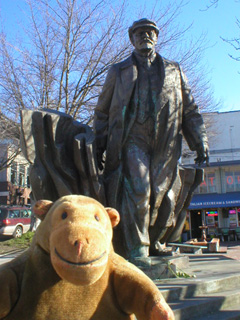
(6, 257)
(233, 249)
(214, 292)
(209, 266)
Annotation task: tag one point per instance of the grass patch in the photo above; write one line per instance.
(179, 273)
(17, 243)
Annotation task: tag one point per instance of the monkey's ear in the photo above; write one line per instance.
(41, 208)
(114, 216)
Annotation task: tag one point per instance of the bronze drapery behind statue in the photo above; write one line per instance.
(61, 156)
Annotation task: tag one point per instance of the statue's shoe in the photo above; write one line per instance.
(141, 262)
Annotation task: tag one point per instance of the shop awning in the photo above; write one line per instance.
(200, 201)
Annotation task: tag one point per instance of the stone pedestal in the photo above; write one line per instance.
(166, 267)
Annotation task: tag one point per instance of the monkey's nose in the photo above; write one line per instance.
(78, 244)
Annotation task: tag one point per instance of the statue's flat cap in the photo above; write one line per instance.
(142, 23)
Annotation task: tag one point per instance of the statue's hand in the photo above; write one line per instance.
(202, 154)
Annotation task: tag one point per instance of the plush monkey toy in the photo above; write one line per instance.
(70, 271)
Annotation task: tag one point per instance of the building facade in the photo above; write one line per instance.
(216, 202)
(14, 182)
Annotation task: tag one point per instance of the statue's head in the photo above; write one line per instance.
(143, 34)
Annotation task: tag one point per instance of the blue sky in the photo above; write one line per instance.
(224, 72)
(216, 22)
(219, 21)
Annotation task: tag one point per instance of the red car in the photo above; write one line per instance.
(14, 221)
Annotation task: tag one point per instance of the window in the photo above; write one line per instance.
(238, 211)
(21, 175)
(25, 214)
(232, 181)
(28, 180)
(14, 214)
(209, 184)
(232, 218)
(14, 173)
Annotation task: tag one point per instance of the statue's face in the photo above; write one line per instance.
(144, 39)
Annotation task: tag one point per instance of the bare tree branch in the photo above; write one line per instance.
(68, 46)
(234, 42)
(212, 3)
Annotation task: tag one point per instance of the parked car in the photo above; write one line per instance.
(14, 221)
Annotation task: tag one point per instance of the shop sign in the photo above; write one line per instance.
(212, 182)
(230, 179)
(216, 203)
(212, 213)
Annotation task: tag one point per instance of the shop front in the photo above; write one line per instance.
(219, 212)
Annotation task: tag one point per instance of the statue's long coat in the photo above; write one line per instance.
(175, 113)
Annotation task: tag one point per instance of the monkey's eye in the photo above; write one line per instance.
(64, 215)
(97, 217)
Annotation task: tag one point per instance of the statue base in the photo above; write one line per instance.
(165, 267)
